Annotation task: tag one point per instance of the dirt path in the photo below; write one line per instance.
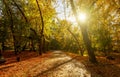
(53, 64)
(60, 65)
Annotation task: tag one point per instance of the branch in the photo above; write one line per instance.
(9, 13)
(20, 11)
(81, 51)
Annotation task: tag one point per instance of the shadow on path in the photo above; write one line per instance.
(62, 65)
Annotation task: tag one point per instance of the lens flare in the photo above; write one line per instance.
(82, 17)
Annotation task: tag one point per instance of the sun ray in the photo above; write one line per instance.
(82, 17)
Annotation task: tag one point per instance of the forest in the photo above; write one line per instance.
(51, 35)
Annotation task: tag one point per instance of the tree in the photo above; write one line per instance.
(42, 30)
(17, 26)
(85, 36)
(103, 23)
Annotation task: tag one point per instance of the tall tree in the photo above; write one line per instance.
(42, 30)
(86, 40)
(18, 27)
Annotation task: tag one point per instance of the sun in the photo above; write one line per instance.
(82, 17)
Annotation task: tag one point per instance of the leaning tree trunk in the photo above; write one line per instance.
(9, 12)
(11, 23)
(86, 40)
(42, 30)
(77, 41)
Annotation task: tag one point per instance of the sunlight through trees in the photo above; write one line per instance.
(79, 26)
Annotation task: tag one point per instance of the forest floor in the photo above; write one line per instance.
(58, 64)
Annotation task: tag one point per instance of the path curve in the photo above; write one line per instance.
(62, 65)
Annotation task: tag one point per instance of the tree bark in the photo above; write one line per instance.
(42, 30)
(86, 40)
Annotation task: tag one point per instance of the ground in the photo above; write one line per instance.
(58, 64)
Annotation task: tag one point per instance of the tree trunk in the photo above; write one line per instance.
(3, 46)
(42, 30)
(11, 26)
(86, 40)
(32, 47)
(44, 46)
(81, 51)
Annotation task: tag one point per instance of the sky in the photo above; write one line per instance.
(60, 11)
